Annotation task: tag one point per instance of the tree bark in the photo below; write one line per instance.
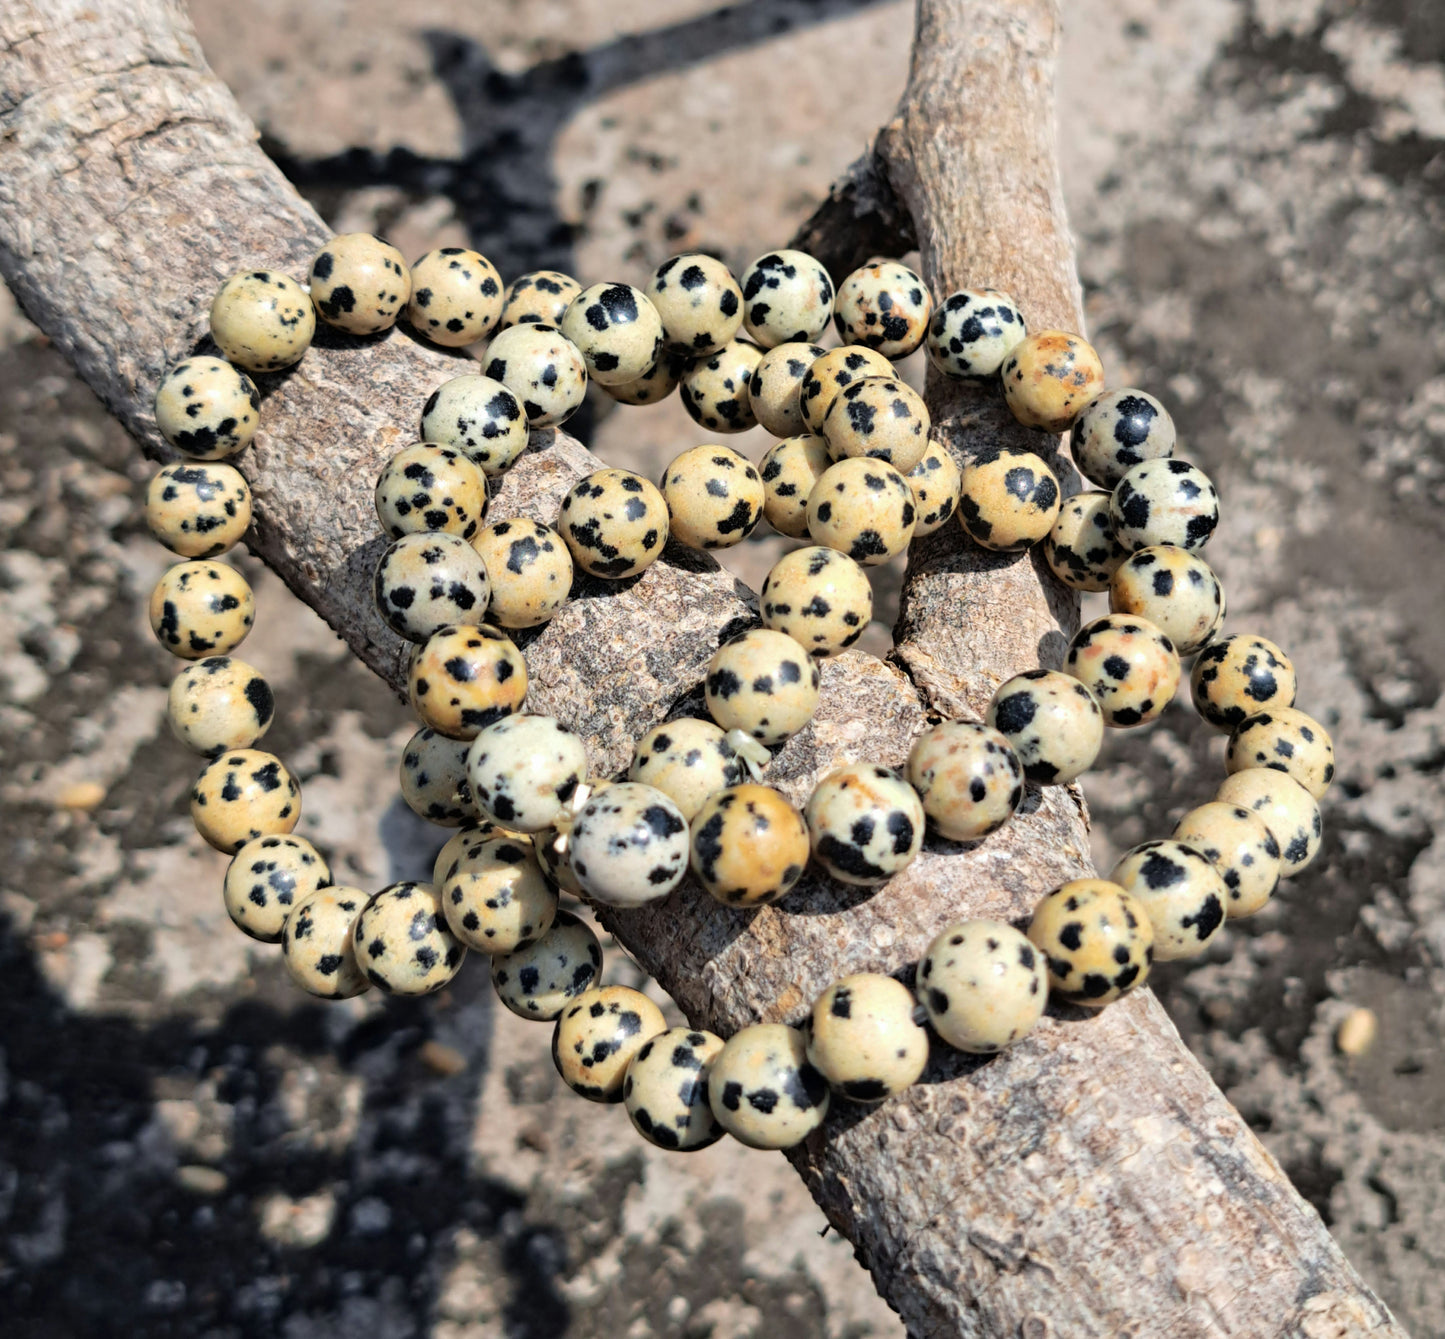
(1092, 1181)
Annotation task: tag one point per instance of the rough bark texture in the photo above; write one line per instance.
(1092, 1181)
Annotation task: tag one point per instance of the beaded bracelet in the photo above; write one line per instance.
(855, 471)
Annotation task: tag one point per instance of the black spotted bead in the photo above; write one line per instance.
(749, 845)
(402, 941)
(266, 878)
(1008, 499)
(198, 510)
(462, 679)
(629, 845)
(863, 1040)
(864, 508)
(763, 1090)
(456, 296)
(538, 981)
(359, 283)
(819, 597)
(936, 482)
(317, 945)
(616, 329)
(207, 409)
(542, 368)
(1288, 741)
(434, 781)
(524, 771)
(1053, 723)
(1288, 810)
(615, 523)
(764, 684)
(885, 306)
(665, 1090)
(495, 897)
(200, 609)
(598, 1035)
(429, 487)
(776, 388)
(262, 321)
(1175, 590)
(687, 760)
(983, 984)
(716, 390)
(827, 377)
(714, 497)
(479, 417)
(1081, 549)
(530, 569)
(1237, 677)
(539, 295)
(972, 332)
(1130, 667)
(789, 472)
(787, 298)
(429, 581)
(1164, 502)
(1239, 845)
(866, 823)
(1181, 892)
(657, 383)
(969, 778)
(1049, 377)
(878, 417)
(219, 704)
(699, 302)
(1098, 941)
(1118, 430)
(243, 795)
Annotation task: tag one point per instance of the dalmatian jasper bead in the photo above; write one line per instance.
(687, 760)
(972, 332)
(262, 321)
(554, 853)
(197, 510)
(764, 684)
(863, 1040)
(434, 779)
(1181, 893)
(479, 417)
(541, 295)
(885, 306)
(629, 845)
(474, 832)
(462, 679)
(456, 297)
(598, 1035)
(207, 409)
(1098, 941)
(1008, 499)
(776, 387)
(615, 523)
(495, 898)
(1175, 590)
(657, 383)
(219, 704)
(1049, 377)
(715, 390)
(1239, 677)
(538, 981)
(1164, 502)
(789, 472)
(1287, 741)
(821, 598)
(787, 299)
(665, 1090)
(936, 482)
(763, 1090)
(863, 508)
(402, 942)
(969, 779)
(200, 609)
(428, 581)
(1081, 549)
(317, 947)
(830, 375)
(714, 497)
(699, 301)
(429, 487)
(359, 283)
(1289, 812)
(266, 878)
(243, 795)
(983, 984)
(1118, 430)
(530, 570)
(524, 771)
(617, 331)
(1053, 723)
(1128, 664)
(1240, 847)
(749, 845)
(542, 368)
(866, 823)
(881, 418)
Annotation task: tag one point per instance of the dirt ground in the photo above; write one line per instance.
(189, 1148)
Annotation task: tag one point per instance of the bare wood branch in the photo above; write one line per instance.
(1091, 1182)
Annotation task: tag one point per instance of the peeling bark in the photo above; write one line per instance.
(1092, 1181)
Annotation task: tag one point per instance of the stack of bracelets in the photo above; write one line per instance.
(856, 474)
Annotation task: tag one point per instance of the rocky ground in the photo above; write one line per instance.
(187, 1147)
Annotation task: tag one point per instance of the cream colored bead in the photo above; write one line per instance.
(402, 941)
(530, 569)
(972, 332)
(1175, 590)
(198, 510)
(657, 383)
(716, 390)
(597, 1037)
(863, 508)
(242, 795)
(262, 320)
(616, 329)
(776, 387)
(495, 898)
(699, 301)
(434, 781)
(1118, 430)
(714, 497)
(984, 985)
(819, 597)
(1180, 891)
(479, 417)
(789, 472)
(1289, 811)
(1237, 677)
(826, 378)
(749, 845)
(207, 409)
(1053, 722)
(615, 523)
(881, 418)
(969, 779)
(429, 581)
(1049, 378)
(936, 482)
(219, 704)
(665, 1090)
(537, 982)
(762, 683)
(787, 298)
(763, 1090)
(265, 880)
(429, 487)
(478, 830)
(542, 368)
(687, 760)
(200, 609)
(539, 295)
(464, 678)
(863, 1039)
(359, 283)
(1081, 549)
(1288, 741)
(524, 771)
(456, 296)
(317, 945)
(1128, 664)
(885, 306)
(1008, 499)
(1097, 940)
(1237, 843)
(866, 823)
(628, 845)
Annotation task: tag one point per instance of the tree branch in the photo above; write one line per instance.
(1092, 1181)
